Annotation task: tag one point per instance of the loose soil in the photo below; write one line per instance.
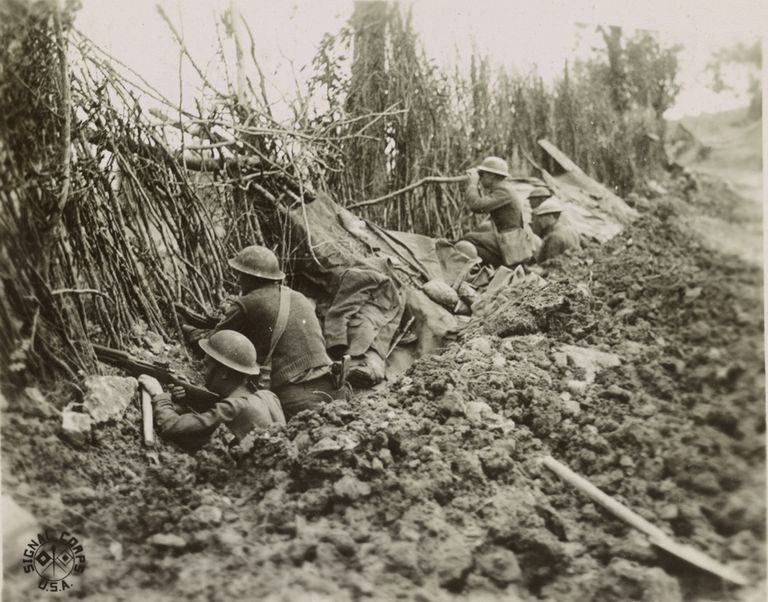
(430, 488)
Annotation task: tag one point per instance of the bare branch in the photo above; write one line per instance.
(66, 98)
(185, 51)
(427, 180)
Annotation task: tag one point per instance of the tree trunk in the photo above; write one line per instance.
(368, 95)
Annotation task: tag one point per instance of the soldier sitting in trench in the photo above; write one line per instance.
(538, 195)
(282, 325)
(557, 235)
(508, 241)
(230, 361)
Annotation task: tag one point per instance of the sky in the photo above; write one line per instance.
(517, 34)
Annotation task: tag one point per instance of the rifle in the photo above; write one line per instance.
(194, 318)
(199, 399)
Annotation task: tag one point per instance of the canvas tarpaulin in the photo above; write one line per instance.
(370, 277)
(592, 209)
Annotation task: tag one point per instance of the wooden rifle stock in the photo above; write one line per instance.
(197, 398)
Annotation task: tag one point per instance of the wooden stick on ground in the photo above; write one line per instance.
(147, 418)
(656, 536)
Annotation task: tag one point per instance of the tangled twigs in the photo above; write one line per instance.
(66, 135)
(142, 225)
(81, 291)
(185, 51)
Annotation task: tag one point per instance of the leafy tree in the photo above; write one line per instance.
(652, 72)
(744, 58)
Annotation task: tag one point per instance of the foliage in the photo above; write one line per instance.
(744, 58)
(102, 226)
(605, 112)
(651, 72)
(110, 213)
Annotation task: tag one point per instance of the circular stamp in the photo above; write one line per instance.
(56, 557)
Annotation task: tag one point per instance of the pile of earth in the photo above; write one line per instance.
(431, 488)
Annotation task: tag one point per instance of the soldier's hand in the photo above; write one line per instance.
(192, 334)
(178, 393)
(150, 384)
(473, 174)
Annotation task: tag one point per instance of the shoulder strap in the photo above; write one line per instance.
(280, 323)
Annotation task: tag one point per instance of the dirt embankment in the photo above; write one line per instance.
(430, 489)
(730, 173)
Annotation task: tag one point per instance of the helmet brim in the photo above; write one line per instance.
(236, 265)
(211, 352)
(496, 172)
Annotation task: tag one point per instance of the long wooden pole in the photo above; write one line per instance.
(435, 180)
(428, 179)
(656, 536)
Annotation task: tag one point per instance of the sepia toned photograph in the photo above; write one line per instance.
(374, 300)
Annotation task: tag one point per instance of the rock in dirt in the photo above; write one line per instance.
(467, 464)
(325, 446)
(634, 546)
(482, 345)
(167, 540)
(154, 342)
(497, 459)
(452, 403)
(351, 488)
(76, 427)
(730, 373)
(453, 560)
(571, 407)
(705, 482)
(480, 412)
(229, 538)
(80, 495)
(577, 387)
(500, 564)
(743, 545)
(107, 397)
(669, 512)
(34, 403)
(590, 360)
(627, 580)
(744, 511)
(207, 515)
(116, 550)
(645, 410)
(617, 393)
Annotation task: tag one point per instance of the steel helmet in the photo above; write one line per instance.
(551, 205)
(494, 165)
(466, 247)
(232, 349)
(257, 261)
(540, 192)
